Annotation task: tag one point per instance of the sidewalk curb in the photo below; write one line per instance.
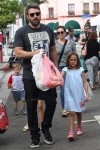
(2, 79)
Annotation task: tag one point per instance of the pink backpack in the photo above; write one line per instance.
(4, 123)
(52, 76)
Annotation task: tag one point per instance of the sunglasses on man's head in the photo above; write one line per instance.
(60, 32)
(33, 14)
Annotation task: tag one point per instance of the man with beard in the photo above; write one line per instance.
(27, 43)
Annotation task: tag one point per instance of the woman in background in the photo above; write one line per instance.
(92, 58)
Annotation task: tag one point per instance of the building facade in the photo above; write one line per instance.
(63, 12)
(69, 12)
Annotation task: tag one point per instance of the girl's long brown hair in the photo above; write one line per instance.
(69, 56)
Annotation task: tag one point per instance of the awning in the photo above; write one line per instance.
(77, 32)
(56, 26)
(51, 24)
(73, 23)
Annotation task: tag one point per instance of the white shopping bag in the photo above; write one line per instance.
(38, 71)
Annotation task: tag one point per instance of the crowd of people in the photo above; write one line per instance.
(63, 54)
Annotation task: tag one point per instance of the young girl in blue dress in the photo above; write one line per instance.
(75, 97)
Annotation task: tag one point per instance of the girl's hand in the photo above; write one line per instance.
(84, 52)
(87, 98)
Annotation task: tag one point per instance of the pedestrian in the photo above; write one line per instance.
(70, 36)
(27, 44)
(88, 23)
(74, 95)
(15, 82)
(66, 46)
(85, 34)
(87, 31)
(92, 58)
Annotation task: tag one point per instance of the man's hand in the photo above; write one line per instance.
(41, 51)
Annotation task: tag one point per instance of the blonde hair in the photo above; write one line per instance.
(16, 65)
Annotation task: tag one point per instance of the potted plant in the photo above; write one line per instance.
(71, 13)
(96, 11)
(85, 11)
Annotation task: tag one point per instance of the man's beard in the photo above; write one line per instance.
(35, 22)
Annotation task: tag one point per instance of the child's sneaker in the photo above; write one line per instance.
(79, 130)
(16, 112)
(70, 135)
(24, 111)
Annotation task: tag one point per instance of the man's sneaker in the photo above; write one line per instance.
(79, 130)
(35, 142)
(16, 112)
(24, 111)
(47, 136)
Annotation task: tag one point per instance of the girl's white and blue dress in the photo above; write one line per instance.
(74, 95)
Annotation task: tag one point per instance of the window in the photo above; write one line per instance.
(96, 8)
(71, 9)
(51, 12)
(86, 8)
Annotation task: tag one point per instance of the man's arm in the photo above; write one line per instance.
(54, 55)
(20, 53)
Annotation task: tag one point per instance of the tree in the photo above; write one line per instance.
(8, 11)
(30, 1)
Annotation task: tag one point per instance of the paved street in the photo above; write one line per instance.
(15, 139)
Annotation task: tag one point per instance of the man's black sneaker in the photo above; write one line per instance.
(47, 136)
(35, 142)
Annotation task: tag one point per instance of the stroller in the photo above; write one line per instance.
(13, 59)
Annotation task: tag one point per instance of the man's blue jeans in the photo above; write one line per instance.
(61, 89)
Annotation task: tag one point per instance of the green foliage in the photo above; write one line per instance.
(8, 11)
(39, 1)
(24, 2)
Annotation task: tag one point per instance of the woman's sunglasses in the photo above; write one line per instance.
(33, 14)
(60, 32)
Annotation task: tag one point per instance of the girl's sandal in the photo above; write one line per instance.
(26, 128)
(70, 135)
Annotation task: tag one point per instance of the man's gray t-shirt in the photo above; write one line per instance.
(33, 39)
